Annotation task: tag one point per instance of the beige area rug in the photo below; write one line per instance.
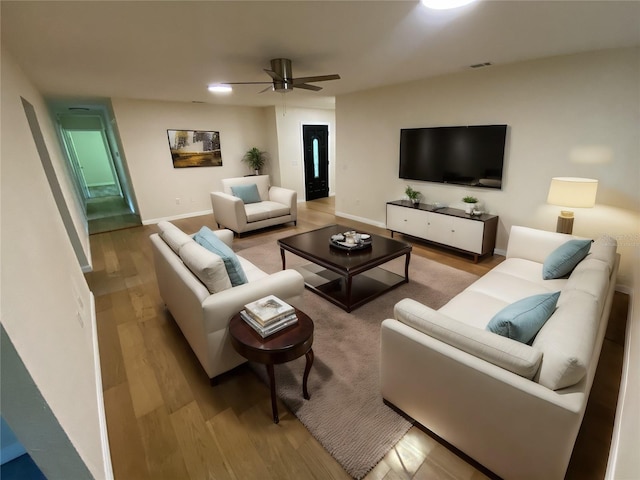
(346, 413)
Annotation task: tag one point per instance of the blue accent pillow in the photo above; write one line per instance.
(246, 193)
(523, 319)
(211, 242)
(565, 258)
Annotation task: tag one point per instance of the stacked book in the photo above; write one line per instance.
(269, 315)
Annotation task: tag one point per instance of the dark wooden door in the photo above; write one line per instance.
(316, 161)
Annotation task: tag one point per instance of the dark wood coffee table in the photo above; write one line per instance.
(281, 347)
(348, 279)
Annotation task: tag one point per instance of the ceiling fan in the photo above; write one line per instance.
(283, 81)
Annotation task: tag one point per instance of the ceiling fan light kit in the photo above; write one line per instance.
(282, 80)
(220, 88)
(446, 4)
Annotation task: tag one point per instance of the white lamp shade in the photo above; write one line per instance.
(573, 192)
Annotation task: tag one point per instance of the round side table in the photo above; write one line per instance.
(281, 347)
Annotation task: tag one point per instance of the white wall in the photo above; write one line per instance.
(290, 145)
(624, 461)
(565, 114)
(47, 308)
(143, 129)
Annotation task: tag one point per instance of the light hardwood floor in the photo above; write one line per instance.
(166, 422)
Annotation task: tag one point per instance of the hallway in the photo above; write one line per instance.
(108, 213)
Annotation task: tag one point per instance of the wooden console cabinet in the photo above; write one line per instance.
(450, 227)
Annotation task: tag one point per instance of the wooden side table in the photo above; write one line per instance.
(281, 347)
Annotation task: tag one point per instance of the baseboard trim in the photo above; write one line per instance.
(368, 221)
(153, 221)
(102, 417)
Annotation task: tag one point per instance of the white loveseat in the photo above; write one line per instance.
(276, 205)
(204, 316)
(512, 407)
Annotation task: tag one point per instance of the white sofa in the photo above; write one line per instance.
(277, 205)
(203, 316)
(512, 407)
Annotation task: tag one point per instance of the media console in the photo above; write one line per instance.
(450, 227)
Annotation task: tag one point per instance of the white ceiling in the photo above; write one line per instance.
(171, 50)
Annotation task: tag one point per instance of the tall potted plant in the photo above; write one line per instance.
(255, 159)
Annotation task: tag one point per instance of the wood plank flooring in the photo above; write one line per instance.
(166, 422)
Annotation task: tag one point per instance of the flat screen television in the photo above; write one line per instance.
(468, 155)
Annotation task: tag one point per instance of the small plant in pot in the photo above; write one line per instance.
(470, 204)
(255, 159)
(413, 195)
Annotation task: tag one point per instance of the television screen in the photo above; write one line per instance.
(471, 155)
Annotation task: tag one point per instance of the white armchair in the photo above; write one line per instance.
(203, 316)
(277, 205)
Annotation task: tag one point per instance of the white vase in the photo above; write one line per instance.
(468, 207)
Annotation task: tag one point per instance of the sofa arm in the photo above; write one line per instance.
(228, 211)
(220, 307)
(511, 355)
(225, 235)
(286, 197)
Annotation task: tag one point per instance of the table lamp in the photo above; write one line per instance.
(571, 192)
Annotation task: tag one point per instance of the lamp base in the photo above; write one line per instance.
(565, 222)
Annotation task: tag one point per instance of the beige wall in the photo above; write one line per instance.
(47, 308)
(290, 148)
(565, 116)
(143, 129)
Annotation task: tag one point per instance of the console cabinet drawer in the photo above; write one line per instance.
(406, 220)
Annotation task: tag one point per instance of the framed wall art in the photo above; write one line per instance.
(194, 148)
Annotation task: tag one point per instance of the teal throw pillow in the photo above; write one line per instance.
(523, 319)
(211, 242)
(565, 258)
(246, 193)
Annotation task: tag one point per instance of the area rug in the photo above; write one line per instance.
(346, 413)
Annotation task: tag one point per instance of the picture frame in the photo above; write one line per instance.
(194, 148)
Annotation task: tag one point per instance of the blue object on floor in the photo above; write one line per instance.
(21, 468)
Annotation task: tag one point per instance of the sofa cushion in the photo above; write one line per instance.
(205, 265)
(276, 209)
(173, 236)
(567, 340)
(513, 356)
(211, 242)
(265, 210)
(604, 248)
(523, 319)
(256, 212)
(564, 258)
(590, 276)
(246, 193)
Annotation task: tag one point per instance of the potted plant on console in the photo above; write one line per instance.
(414, 195)
(255, 159)
(470, 204)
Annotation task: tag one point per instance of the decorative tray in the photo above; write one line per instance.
(340, 241)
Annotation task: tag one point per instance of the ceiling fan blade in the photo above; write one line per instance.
(245, 83)
(274, 75)
(269, 88)
(306, 86)
(318, 78)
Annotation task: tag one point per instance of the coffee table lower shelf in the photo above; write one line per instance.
(365, 286)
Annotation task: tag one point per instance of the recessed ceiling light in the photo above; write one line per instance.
(445, 4)
(220, 88)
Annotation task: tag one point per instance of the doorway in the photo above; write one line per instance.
(98, 173)
(316, 161)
